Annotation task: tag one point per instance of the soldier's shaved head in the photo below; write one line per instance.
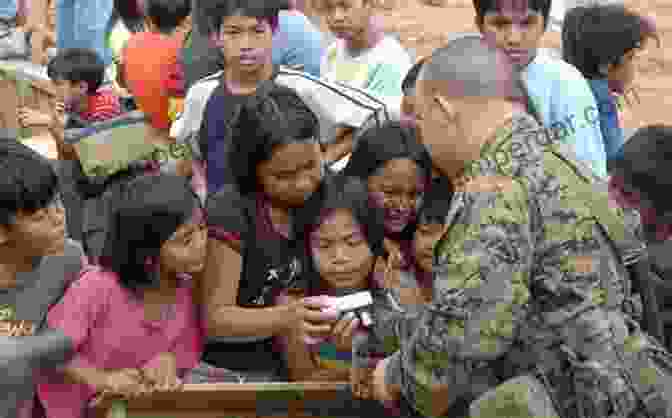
(465, 90)
(470, 66)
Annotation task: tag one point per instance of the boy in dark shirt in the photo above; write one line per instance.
(36, 261)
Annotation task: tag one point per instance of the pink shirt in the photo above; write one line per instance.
(109, 331)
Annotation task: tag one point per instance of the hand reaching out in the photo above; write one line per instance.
(29, 117)
(313, 321)
(342, 331)
(57, 114)
(125, 382)
(161, 375)
(361, 382)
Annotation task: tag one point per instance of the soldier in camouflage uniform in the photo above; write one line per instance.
(532, 303)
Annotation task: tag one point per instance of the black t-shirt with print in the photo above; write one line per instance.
(270, 263)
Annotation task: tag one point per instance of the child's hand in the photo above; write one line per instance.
(162, 375)
(29, 117)
(341, 333)
(57, 112)
(57, 116)
(395, 258)
(361, 382)
(313, 318)
(126, 382)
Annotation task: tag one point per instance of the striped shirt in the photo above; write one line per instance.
(102, 106)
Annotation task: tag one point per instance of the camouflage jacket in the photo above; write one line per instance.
(528, 276)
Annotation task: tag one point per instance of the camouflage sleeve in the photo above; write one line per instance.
(480, 299)
(390, 321)
(482, 267)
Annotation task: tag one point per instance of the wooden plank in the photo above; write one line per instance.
(223, 400)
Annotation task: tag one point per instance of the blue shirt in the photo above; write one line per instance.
(8, 9)
(612, 133)
(298, 42)
(562, 97)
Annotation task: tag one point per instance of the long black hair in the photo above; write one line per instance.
(436, 202)
(265, 121)
(338, 191)
(130, 14)
(145, 213)
(28, 181)
(643, 166)
(382, 143)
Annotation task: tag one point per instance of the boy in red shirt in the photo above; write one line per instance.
(78, 77)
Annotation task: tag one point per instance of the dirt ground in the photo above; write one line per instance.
(423, 28)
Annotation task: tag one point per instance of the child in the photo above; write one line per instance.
(603, 43)
(559, 96)
(397, 171)
(133, 322)
(78, 77)
(127, 19)
(362, 57)
(156, 49)
(83, 100)
(275, 164)
(36, 261)
(343, 237)
(213, 101)
(415, 281)
(299, 44)
(639, 180)
(639, 184)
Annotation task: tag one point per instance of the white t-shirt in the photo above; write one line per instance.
(380, 70)
(334, 105)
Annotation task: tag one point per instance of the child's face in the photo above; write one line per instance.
(37, 233)
(184, 252)
(71, 93)
(427, 235)
(246, 42)
(340, 251)
(397, 187)
(623, 74)
(515, 30)
(347, 19)
(292, 174)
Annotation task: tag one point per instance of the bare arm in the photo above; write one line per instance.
(37, 17)
(219, 293)
(341, 147)
(300, 362)
(95, 378)
(57, 130)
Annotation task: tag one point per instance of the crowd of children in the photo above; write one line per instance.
(468, 192)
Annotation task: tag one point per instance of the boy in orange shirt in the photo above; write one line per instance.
(151, 69)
